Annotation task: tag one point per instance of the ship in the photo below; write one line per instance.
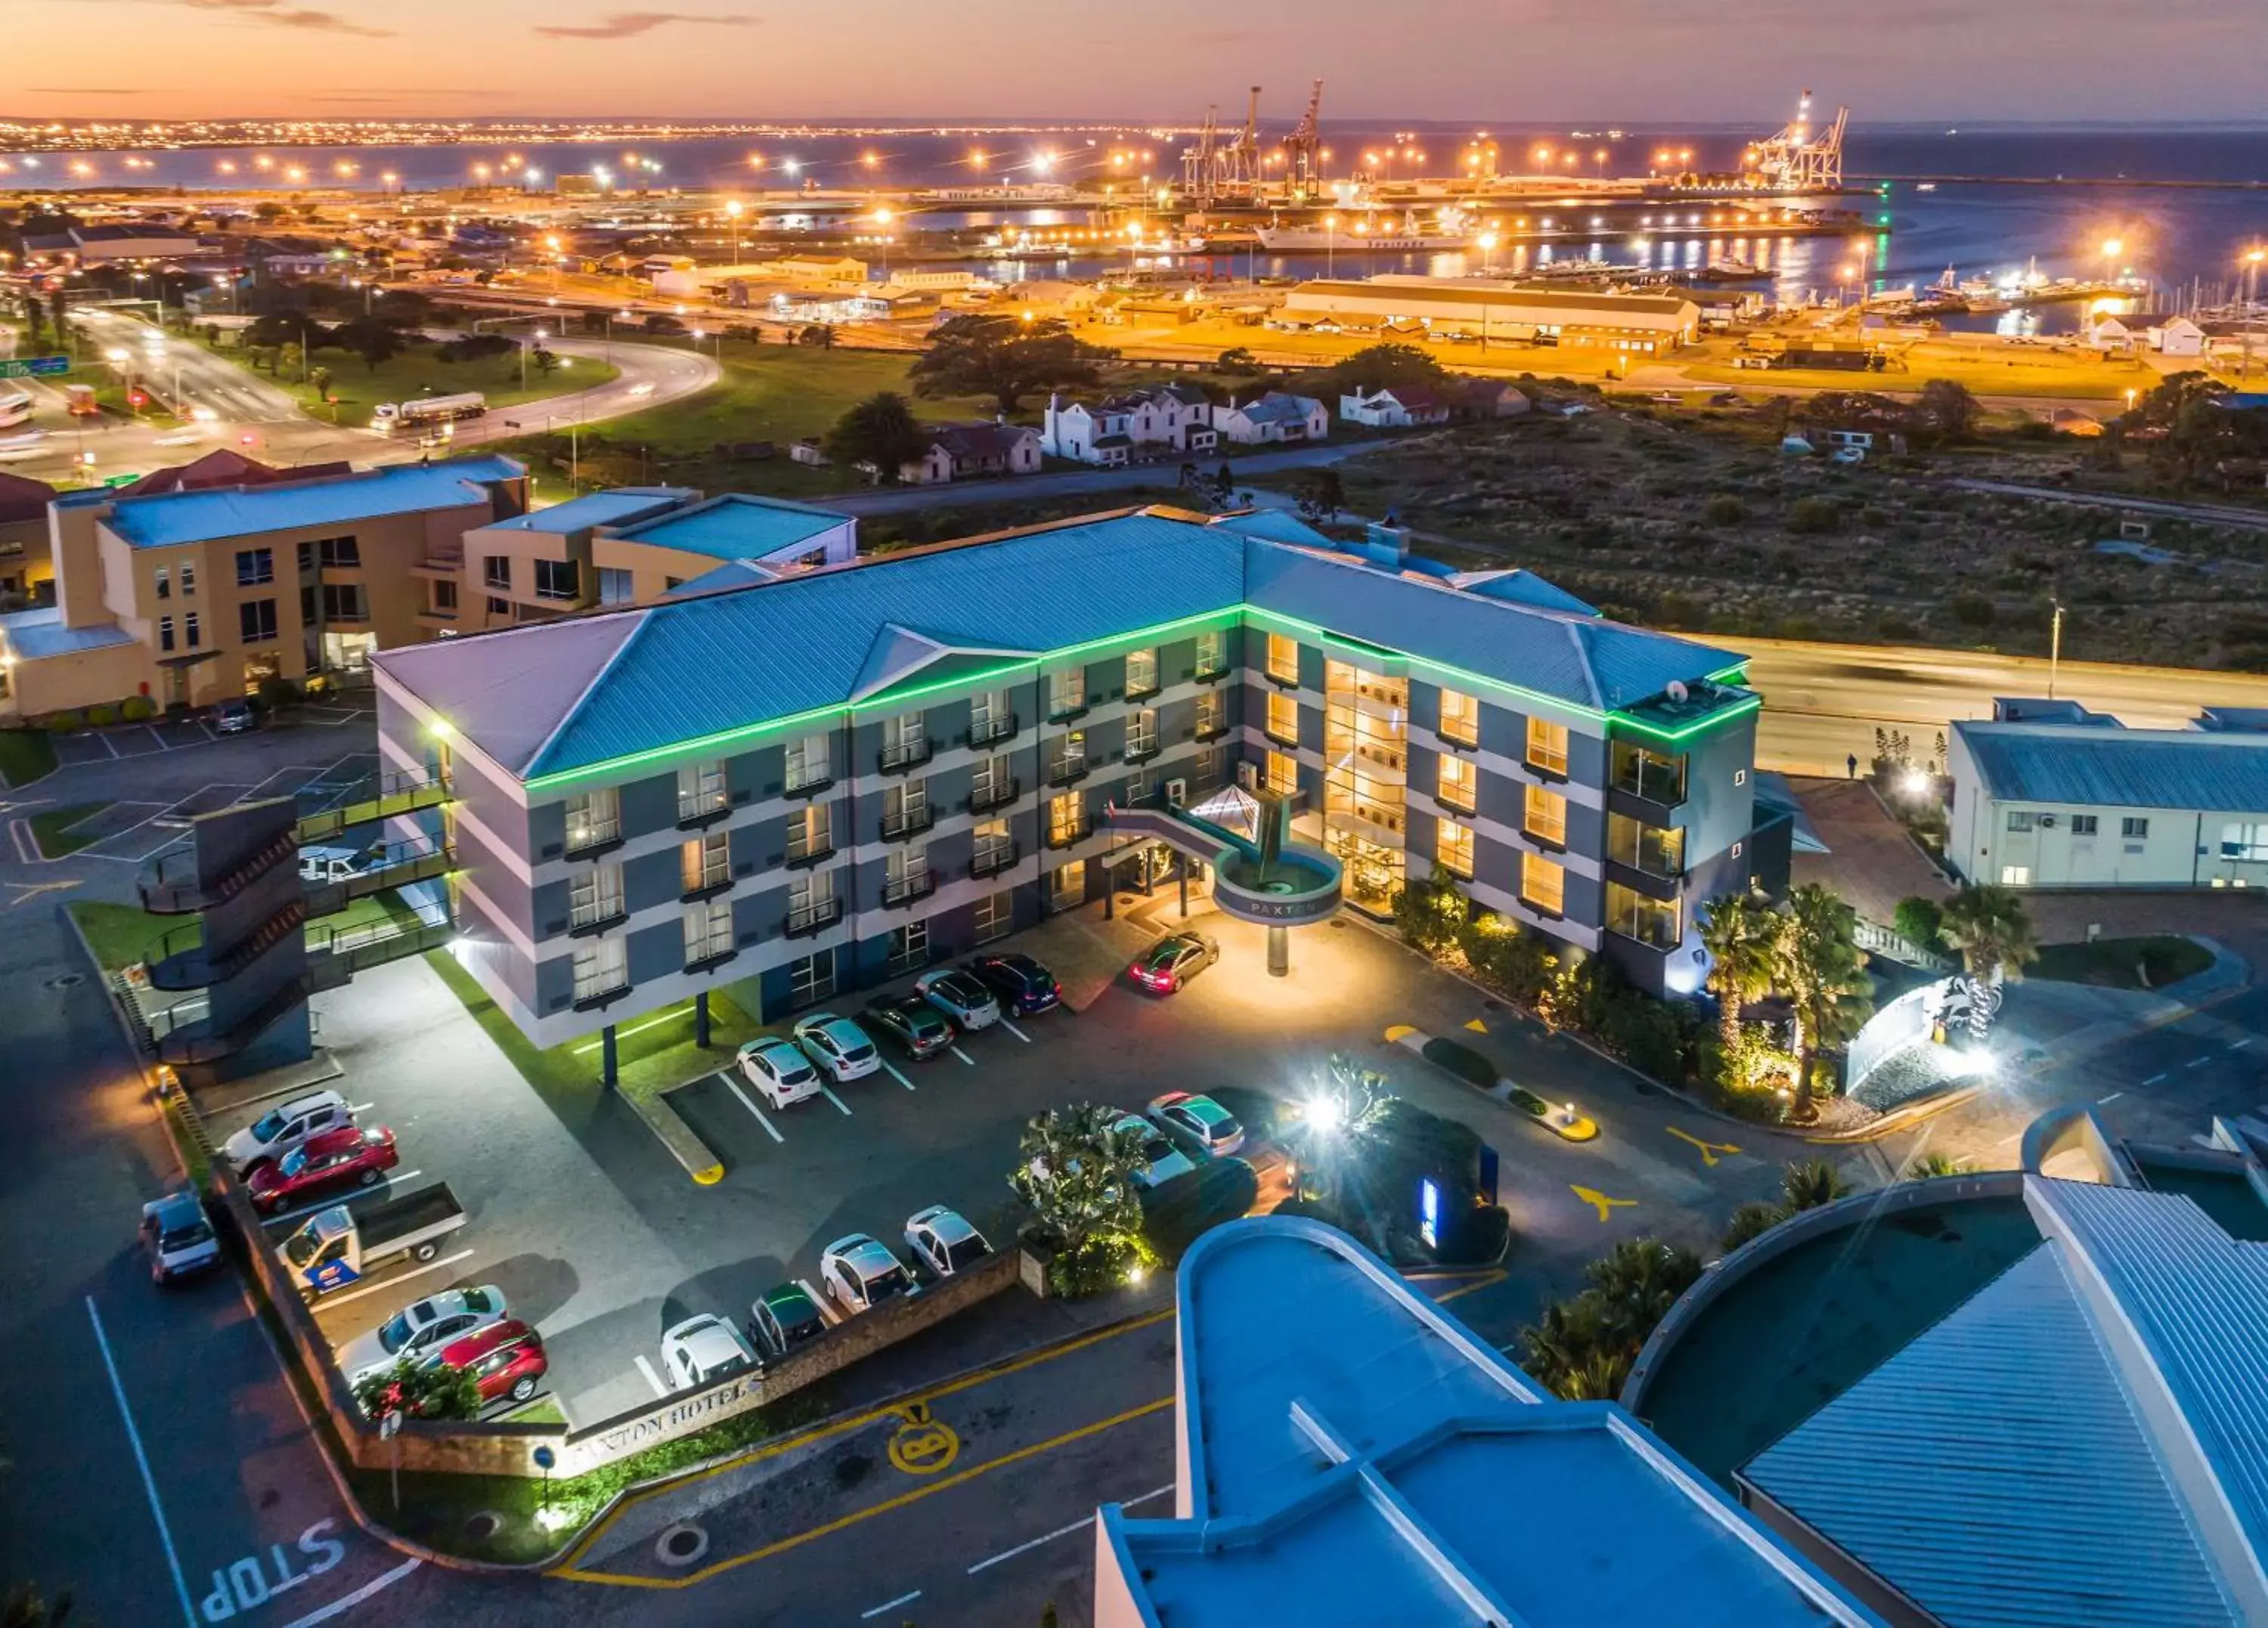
(1363, 234)
(1731, 270)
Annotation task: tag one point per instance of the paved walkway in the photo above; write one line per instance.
(1871, 861)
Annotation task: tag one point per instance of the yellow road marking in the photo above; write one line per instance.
(857, 1421)
(1599, 1201)
(1476, 1026)
(1488, 1280)
(923, 1444)
(1398, 1032)
(1709, 1150)
(886, 1507)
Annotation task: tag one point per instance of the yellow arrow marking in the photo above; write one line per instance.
(1477, 1027)
(1599, 1202)
(1709, 1150)
(1398, 1032)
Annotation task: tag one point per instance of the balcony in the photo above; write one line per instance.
(1210, 674)
(1063, 833)
(590, 924)
(992, 794)
(990, 861)
(991, 730)
(1068, 770)
(1141, 689)
(438, 567)
(1065, 711)
(813, 918)
(799, 859)
(907, 822)
(710, 962)
(698, 813)
(809, 788)
(905, 889)
(896, 759)
(1210, 728)
(592, 840)
(1141, 749)
(598, 1000)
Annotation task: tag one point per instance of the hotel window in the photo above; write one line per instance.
(807, 763)
(811, 980)
(593, 817)
(1657, 850)
(909, 947)
(1283, 773)
(1066, 691)
(189, 577)
(254, 566)
(1141, 673)
(1142, 734)
(2082, 824)
(810, 834)
(1453, 848)
(706, 862)
(499, 607)
(2131, 828)
(701, 790)
(1284, 719)
(1067, 820)
(496, 571)
(1646, 773)
(1547, 746)
(1545, 816)
(994, 917)
(1656, 921)
(556, 579)
(905, 810)
(165, 633)
(444, 597)
(905, 875)
(615, 586)
(338, 552)
(1543, 883)
(905, 739)
(989, 717)
(163, 577)
(1213, 653)
(601, 968)
(1458, 783)
(2244, 840)
(255, 620)
(708, 931)
(1067, 884)
(2023, 820)
(594, 895)
(992, 848)
(1212, 715)
(1283, 658)
(345, 602)
(1461, 718)
(195, 636)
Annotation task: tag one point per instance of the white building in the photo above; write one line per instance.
(1275, 416)
(2168, 336)
(1644, 324)
(1394, 409)
(1173, 417)
(973, 452)
(2048, 794)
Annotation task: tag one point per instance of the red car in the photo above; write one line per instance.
(506, 1358)
(350, 1156)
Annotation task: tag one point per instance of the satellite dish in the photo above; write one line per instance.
(1676, 690)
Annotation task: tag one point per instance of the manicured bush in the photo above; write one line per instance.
(1463, 1061)
(1751, 1219)
(60, 722)
(101, 716)
(279, 692)
(134, 708)
(1917, 920)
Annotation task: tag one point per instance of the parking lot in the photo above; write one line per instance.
(163, 735)
(595, 1235)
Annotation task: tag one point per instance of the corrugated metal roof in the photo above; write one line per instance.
(2081, 766)
(596, 508)
(165, 519)
(508, 690)
(1523, 587)
(737, 526)
(1995, 1471)
(37, 634)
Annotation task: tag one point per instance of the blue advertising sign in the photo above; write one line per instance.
(31, 367)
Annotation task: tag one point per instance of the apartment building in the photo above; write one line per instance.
(827, 779)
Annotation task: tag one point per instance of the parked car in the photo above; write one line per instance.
(505, 1359)
(1166, 1160)
(837, 1046)
(1174, 959)
(350, 1156)
(859, 1272)
(943, 1240)
(779, 1071)
(1200, 1120)
(704, 1349)
(1021, 985)
(280, 1130)
(422, 1328)
(325, 864)
(784, 1319)
(178, 1237)
(960, 995)
(918, 1027)
(234, 716)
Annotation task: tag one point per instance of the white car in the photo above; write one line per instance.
(859, 1272)
(943, 1240)
(838, 1045)
(702, 1350)
(960, 995)
(280, 1130)
(177, 1237)
(781, 1074)
(1199, 1119)
(420, 1328)
(1166, 1160)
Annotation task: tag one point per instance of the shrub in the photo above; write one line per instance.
(1813, 516)
(59, 723)
(134, 708)
(1463, 1061)
(1430, 914)
(1751, 1219)
(279, 692)
(1917, 920)
(101, 716)
(1724, 509)
(1103, 1262)
(1971, 609)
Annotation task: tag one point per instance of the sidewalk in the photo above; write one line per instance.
(1871, 862)
(1087, 952)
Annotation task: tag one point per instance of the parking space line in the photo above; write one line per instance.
(1012, 1029)
(324, 1203)
(142, 1463)
(1080, 1524)
(107, 745)
(347, 1602)
(2154, 1079)
(329, 1300)
(964, 1057)
(900, 1078)
(647, 1369)
(2113, 1097)
(2238, 1045)
(829, 1095)
(2198, 1062)
(733, 1086)
(160, 739)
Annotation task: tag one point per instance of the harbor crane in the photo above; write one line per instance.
(1799, 159)
(1213, 170)
(1303, 149)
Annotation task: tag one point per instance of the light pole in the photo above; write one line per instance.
(1330, 246)
(733, 213)
(2251, 306)
(882, 218)
(1488, 248)
(2112, 248)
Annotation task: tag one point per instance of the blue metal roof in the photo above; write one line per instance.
(1997, 1472)
(1525, 587)
(1351, 1454)
(166, 519)
(34, 634)
(620, 507)
(737, 526)
(2083, 765)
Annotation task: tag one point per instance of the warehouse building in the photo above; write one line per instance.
(1638, 324)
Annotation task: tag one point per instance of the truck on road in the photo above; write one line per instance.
(342, 1244)
(427, 411)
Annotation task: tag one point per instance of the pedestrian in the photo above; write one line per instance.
(1852, 762)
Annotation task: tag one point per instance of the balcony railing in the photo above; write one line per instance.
(1141, 749)
(1063, 833)
(1141, 689)
(810, 855)
(597, 999)
(907, 822)
(1067, 770)
(813, 918)
(1211, 672)
(907, 754)
(996, 794)
(904, 889)
(1064, 711)
(598, 837)
(592, 923)
(695, 812)
(990, 861)
(991, 729)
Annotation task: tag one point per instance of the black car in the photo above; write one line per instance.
(1023, 986)
(918, 1027)
(783, 1319)
(1174, 959)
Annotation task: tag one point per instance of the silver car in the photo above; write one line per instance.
(178, 1237)
(837, 1046)
(281, 1129)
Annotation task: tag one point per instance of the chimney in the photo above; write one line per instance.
(1387, 543)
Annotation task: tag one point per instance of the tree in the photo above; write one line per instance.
(320, 378)
(417, 1392)
(1006, 358)
(1388, 366)
(371, 339)
(1582, 1348)
(820, 335)
(1819, 969)
(880, 430)
(292, 359)
(1922, 1167)
(1752, 1219)
(545, 361)
(1946, 406)
(1431, 912)
(1237, 359)
(1741, 934)
(1075, 1167)
(1990, 929)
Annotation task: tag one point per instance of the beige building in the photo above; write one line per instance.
(1645, 324)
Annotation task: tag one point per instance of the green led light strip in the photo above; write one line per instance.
(1623, 722)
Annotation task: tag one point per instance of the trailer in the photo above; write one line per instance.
(389, 417)
(342, 1244)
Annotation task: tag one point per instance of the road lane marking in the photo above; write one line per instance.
(964, 1057)
(891, 1605)
(2196, 1062)
(647, 1369)
(2113, 1097)
(1475, 1025)
(142, 1463)
(733, 1086)
(838, 1101)
(1709, 1150)
(1065, 1531)
(329, 1300)
(347, 1602)
(2238, 1045)
(900, 1078)
(1599, 1202)
(1012, 1029)
(2155, 1079)
(335, 1199)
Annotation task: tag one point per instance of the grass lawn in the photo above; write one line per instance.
(654, 1052)
(356, 389)
(51, 829)
(2123, 963)
(25, 755)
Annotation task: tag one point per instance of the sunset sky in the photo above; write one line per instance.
(1634, 61)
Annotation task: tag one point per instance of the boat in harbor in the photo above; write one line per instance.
(1731, 269)
(1318, 239)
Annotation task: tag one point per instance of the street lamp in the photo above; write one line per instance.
(1488, 247)
(733, 213)
(2112, 248)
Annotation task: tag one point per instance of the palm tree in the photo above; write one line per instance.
(1739, 933)
(1809, 1183)
(1752, 1219)
(1989, 926)
(1640, 1279)
(1820, 970)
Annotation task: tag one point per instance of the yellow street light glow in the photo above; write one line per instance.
(2112, 248)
